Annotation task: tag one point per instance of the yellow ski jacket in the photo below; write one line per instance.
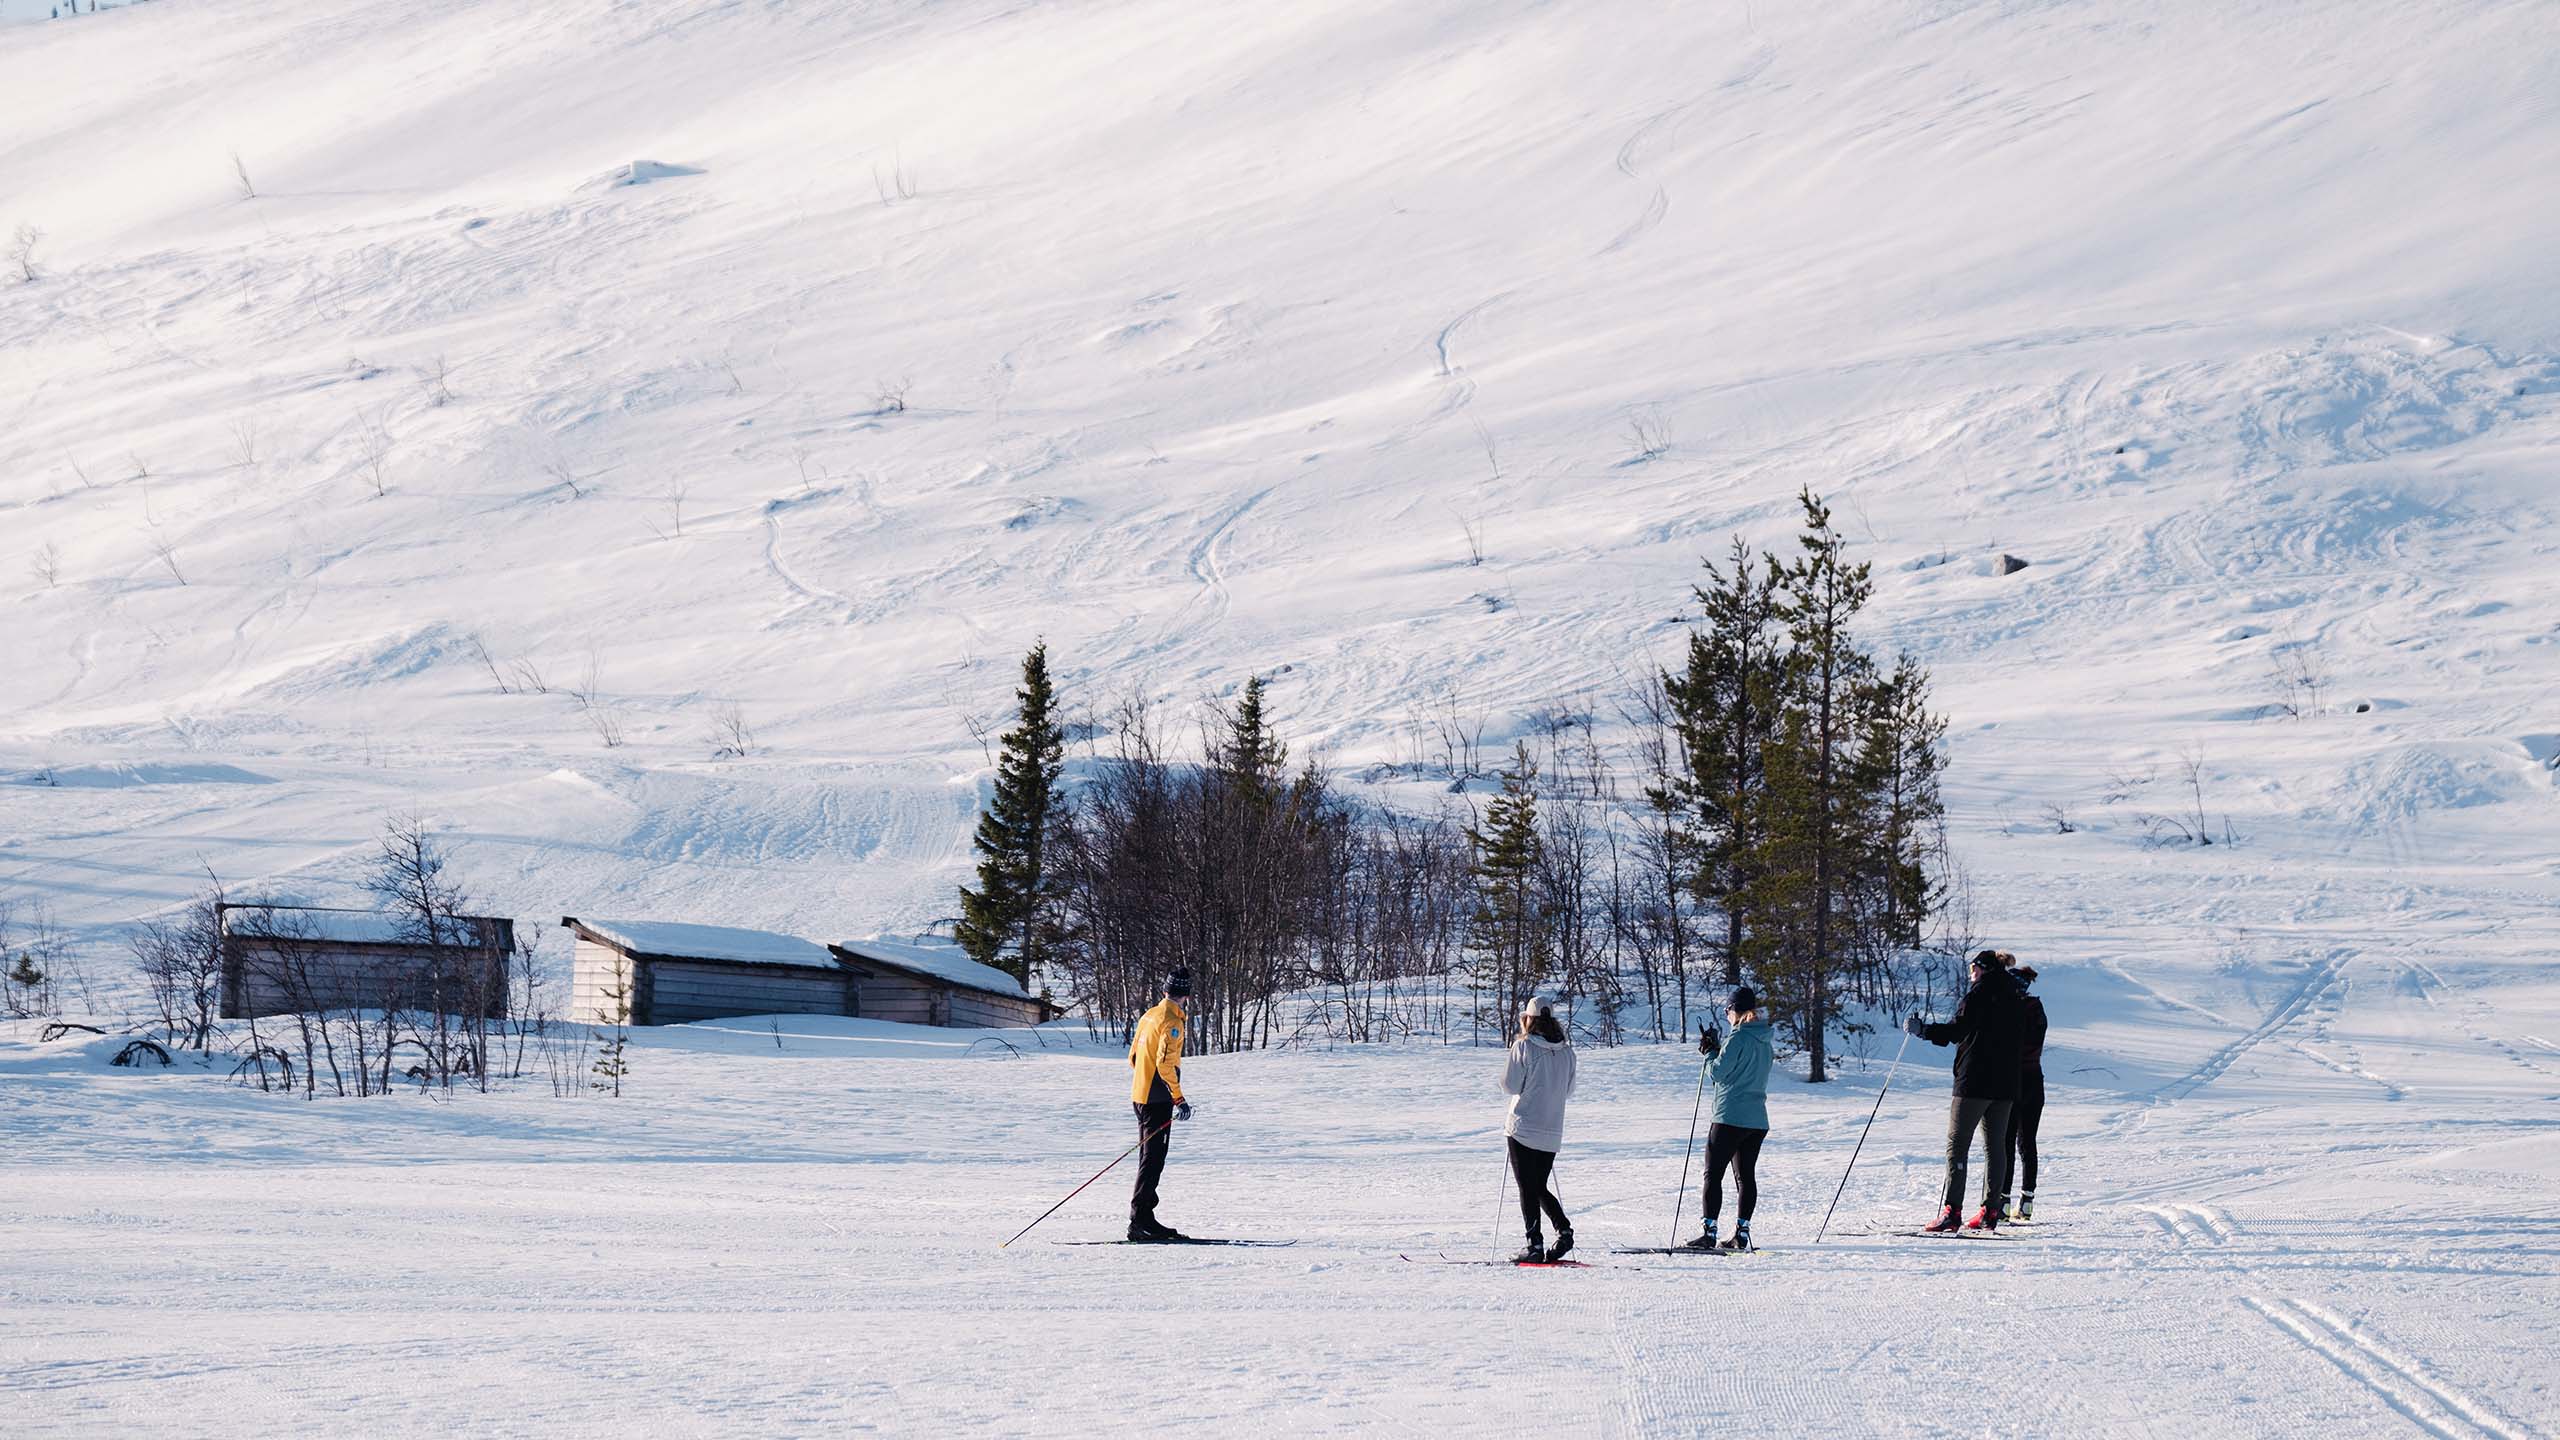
(1155, 1052)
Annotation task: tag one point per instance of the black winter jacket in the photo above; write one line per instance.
(1988, 1030)
(2031, 1050)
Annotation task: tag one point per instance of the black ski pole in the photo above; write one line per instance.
(1098, 1174)
(1681, 1197)
(1500, 1193)
(1862, 1136)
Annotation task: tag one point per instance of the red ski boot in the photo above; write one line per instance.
(1985, 1219)
(1946, 1222)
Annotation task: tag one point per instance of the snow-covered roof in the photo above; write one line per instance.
(336, 927)
(707, 942)
(941, 962)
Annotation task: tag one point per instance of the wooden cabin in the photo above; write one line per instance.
(669, 973)
(658, 973)
(280, 959)
(924, 984)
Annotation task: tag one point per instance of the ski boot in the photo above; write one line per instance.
(1536, 1254)
(2026, 1206)
(1563, 1245)
(1741, 1240)
(1985, 1219)
(1706, 1241)
(1946, 1223)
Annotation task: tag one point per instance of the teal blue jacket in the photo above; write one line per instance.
(1740, 1073)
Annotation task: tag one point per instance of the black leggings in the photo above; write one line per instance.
(2022, 1143)
(1740, 1148)
(1533, 1168)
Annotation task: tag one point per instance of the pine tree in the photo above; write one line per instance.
(1508, 933)
(1899, 760)
(1251, 756)
(1010, 921)
(1725, 707)
(1812, 839)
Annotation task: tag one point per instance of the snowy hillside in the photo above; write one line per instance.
(409, 397)
(2236, 322)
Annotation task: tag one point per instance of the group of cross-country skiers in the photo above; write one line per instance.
(1998, 1031)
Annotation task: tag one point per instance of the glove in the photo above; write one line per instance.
(1710, 1043)
(1913, 1027)
(1181, 1109)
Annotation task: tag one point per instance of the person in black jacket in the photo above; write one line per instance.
(2030, 1108)
(1985, 1032)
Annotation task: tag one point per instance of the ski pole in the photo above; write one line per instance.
(1504, 1190)
(1862, 1136)
(1098, 1174)
(1681, 1196)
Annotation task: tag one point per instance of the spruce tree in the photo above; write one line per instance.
(1725, 707)
(1251, 756)
(1010, 921)
(1508, 933)
(1813, 837)
(1899, 759)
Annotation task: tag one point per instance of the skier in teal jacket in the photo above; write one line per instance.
(1739, 1069)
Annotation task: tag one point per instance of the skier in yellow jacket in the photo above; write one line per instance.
(1155, 1092)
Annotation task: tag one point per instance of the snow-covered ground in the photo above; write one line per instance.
(1206, 340)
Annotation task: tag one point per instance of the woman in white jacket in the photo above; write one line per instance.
(1539, 1079)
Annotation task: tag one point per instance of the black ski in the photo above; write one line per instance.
(1683, 1250)
(1187, 1240)
(1519, 1264)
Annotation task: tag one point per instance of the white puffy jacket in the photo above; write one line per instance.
(1539, 1079)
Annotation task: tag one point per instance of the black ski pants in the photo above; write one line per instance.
(1535, 1169)
(2022, 1144)
(1155, 1141)
(1740, 1148)
(1993, 1118)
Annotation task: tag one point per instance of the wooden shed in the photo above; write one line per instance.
(279, 959)
(924, 984)
(672, 973)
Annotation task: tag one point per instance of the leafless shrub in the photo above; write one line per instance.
(240, 172)
(167, 552)
(1648, 433)
(1472, 526)
(244, 442)
(564, 473)
(1492, 453)
(137, 1051)
(2059, 817)
(80, 472)
(730, 737)
(527, 677)
(180, 957)
(588, 693)
(437, 377)
(674, 495)
(729, 367)
(800, 462)
(22, 252)
(48, 564)
(2300, 678)
(892, 399)
(894, 185)
(1461, 742)
(479, 649)
(373, 454)
(141, 470)
(2191, 774)
(2124, 781)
